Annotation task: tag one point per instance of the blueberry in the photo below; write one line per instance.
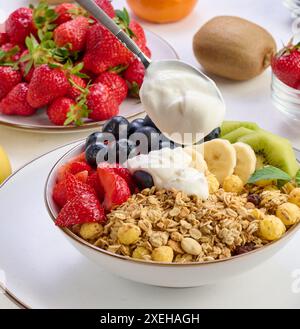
(213, 135)
(152, 139)
(118, 126)
(149, 123)
(96, 153)
(119, 151)
(134, 125)
(98, 137)
(143, 179)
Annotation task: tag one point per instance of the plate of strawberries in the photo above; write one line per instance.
(61, 70)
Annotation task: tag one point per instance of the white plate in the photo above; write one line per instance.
(43, 270)
(160, 48)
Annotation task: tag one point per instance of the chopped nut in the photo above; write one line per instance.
(191, 246)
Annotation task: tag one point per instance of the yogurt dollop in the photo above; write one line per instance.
(171, 168)
(179, 100)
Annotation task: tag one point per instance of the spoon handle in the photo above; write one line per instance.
(105, 20)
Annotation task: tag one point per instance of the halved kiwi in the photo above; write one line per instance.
(234, 135)
(273, 150)
(229, 126)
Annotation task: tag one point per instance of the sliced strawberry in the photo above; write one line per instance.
(60, 194)
(94, 181)
(78, 166)
(66, 167)
(81, 209)
(121, 171)
(75, 187)
(82, 176)
(115, 187)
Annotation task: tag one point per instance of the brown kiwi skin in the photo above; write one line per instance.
(233, 47)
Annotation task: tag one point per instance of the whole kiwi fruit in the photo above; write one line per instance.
(233, 47)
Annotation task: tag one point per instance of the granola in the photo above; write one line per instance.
(168, 225)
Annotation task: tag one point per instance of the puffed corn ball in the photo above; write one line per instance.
(163, 254)
(289, 213)
(295, 196)
(129, 234)
(271, 228)
(233, 183)
(89, 231)
(213, 183)
(256, 213)
(265, 182)
(140, 252)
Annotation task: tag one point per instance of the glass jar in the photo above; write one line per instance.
(286, 99)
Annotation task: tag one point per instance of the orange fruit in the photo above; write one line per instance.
(163, 11)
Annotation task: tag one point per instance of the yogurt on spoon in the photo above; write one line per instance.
(180, 100)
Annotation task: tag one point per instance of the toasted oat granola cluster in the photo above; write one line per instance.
(169, 226)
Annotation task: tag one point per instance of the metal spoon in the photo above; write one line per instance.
(105, 20)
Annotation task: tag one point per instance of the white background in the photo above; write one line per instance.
(248, 101)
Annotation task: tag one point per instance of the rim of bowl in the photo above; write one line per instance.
(283, 87)
(83, 242)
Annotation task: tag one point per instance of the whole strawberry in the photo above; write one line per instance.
(134, 75)
(116, 85)
(19, 25)
(74, 91)
(104, 51)
(138, 33)
(4, 38)
(286, 66)
(100, 103)
(9, 78)
(46, 85)
(107, 7)
(15, 102)
(58, 110)
(65, 12)
(72, 33)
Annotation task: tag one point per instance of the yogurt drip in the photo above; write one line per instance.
(179, 100)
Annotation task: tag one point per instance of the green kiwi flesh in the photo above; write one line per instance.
(229, 126)
(234, 135)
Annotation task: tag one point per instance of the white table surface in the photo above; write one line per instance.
(248, 101)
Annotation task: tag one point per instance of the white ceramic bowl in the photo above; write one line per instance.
(162, 274)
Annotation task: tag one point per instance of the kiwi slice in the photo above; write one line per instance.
(273, 150)
(234, 135)
(229, 126)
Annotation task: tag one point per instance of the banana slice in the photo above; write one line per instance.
(220, 157)
(198, 160)
(245, 161)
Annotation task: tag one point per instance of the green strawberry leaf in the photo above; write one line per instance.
(269, 173)
(28, 66)
(297, 178)
(118, 69)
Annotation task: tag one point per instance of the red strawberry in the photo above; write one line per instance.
(121, 171)
(9, 78)
(286, 66)
(82, 176)
(107, 7)
(4, 38)
(115, 187)
(65, 12)
(139, 36)
(134, 75)
(12, 53)
(29, 75)
(72, 33)
(79, 166)
(15, 102)
(79, 210)
(146, 51)
(73, 91)
(46, 85)
(66, 167)
(94, 181)
(19, 25)
(60, 194)
(104, 51)
(100, 103)
(75, 187)
(58, 110)
(116, 85)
